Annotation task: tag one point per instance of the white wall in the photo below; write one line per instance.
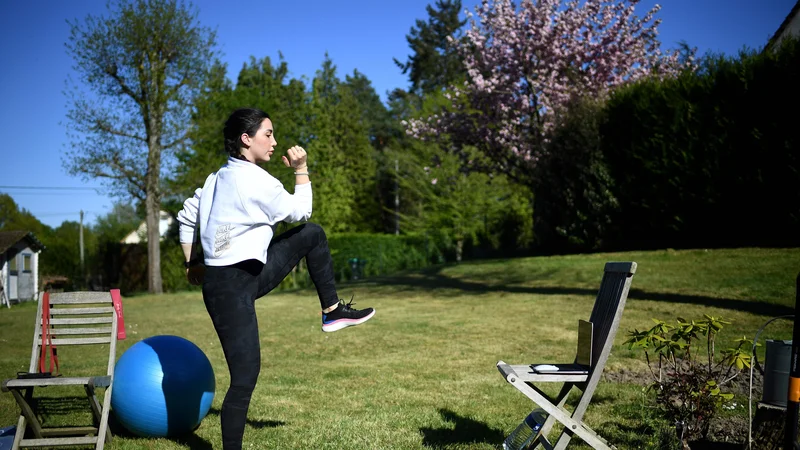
(792, 29)
(35, 268)
(4, 274)
(140, 234)
(24, 285)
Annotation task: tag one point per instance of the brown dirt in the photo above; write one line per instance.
(725, 431)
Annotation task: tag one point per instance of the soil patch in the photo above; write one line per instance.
(725, 432)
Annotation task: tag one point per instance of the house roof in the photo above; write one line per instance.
(785, 24)
(165, 221)
(9, 238)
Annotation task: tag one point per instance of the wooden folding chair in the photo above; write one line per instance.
(91, 320)
(605, 318)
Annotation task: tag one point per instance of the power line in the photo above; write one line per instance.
(61, 188)
(63, 214)
(16, 194)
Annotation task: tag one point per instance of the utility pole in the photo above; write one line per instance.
(396, 198)
(81, 243)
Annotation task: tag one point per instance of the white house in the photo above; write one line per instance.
(789, 27)
(19, 266)
(140, 234)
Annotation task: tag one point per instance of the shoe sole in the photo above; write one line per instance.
(344, 323)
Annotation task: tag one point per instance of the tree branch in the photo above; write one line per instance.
(176, 142)
(102, 126)
(112, 72)
(116, 165)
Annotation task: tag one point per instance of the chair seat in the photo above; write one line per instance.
(102, 381)
(524, 372)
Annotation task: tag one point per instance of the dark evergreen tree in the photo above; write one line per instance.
(374, 115)
(341, 156)
(434, 63)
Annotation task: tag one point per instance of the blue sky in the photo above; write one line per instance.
(357, 34)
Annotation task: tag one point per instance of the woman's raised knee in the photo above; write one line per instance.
(314, 229)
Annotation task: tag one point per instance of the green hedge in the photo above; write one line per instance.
(125, 266)
(710, 158)
(381, 253)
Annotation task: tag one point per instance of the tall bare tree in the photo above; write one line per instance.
(140, 68)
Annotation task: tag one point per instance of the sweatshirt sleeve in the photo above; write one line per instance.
(187, 218)
(281, 206)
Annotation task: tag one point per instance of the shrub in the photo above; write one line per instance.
(381, 253)
(688, 379)
(693, 159)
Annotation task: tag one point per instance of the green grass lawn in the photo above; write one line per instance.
(422, 373)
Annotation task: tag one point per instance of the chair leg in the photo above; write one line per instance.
(563, 440)
(94, 404)
(21, 424)
(571, 426)
(561, 400)
(104, 433)
(27, 412)
(585, 433)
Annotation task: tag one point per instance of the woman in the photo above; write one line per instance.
(235, 215)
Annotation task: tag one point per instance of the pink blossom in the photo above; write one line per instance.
(534, 59)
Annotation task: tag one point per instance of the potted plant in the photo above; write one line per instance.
(689, 377)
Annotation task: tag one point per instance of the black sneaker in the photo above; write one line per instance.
(344, 316)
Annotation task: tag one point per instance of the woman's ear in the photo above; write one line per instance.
(246, 139)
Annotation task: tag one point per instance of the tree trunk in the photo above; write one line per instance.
(153, 203)
(154, 284)
(459, 249)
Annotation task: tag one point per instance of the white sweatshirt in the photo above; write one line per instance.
(237, 211)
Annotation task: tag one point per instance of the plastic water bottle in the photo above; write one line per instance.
(521, 437)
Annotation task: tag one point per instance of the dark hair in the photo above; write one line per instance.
(245, 120)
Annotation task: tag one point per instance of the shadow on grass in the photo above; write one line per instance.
(257, 424)
(60, 406)
(190, 440)
(641, 436)
(430, 278)
(597, 399)
(465, 431)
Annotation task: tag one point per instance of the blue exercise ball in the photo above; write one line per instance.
(163, 386)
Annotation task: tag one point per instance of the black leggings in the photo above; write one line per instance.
(230, 292)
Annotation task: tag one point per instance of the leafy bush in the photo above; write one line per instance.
(574, 200)
(688, 379)
(173, 272)
(381, 253)
(694, 158)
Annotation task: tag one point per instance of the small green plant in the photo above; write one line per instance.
(689, 379)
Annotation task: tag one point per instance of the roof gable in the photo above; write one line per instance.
(10, 238)
(775, 37)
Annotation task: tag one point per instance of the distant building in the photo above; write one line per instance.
(19, 266)
(139, 235)
(789, 27)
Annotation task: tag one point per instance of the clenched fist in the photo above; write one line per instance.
(196, 274)
(296, 158)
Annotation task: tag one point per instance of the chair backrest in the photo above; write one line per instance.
(608, 308)
(585, 341)
(78, 318)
